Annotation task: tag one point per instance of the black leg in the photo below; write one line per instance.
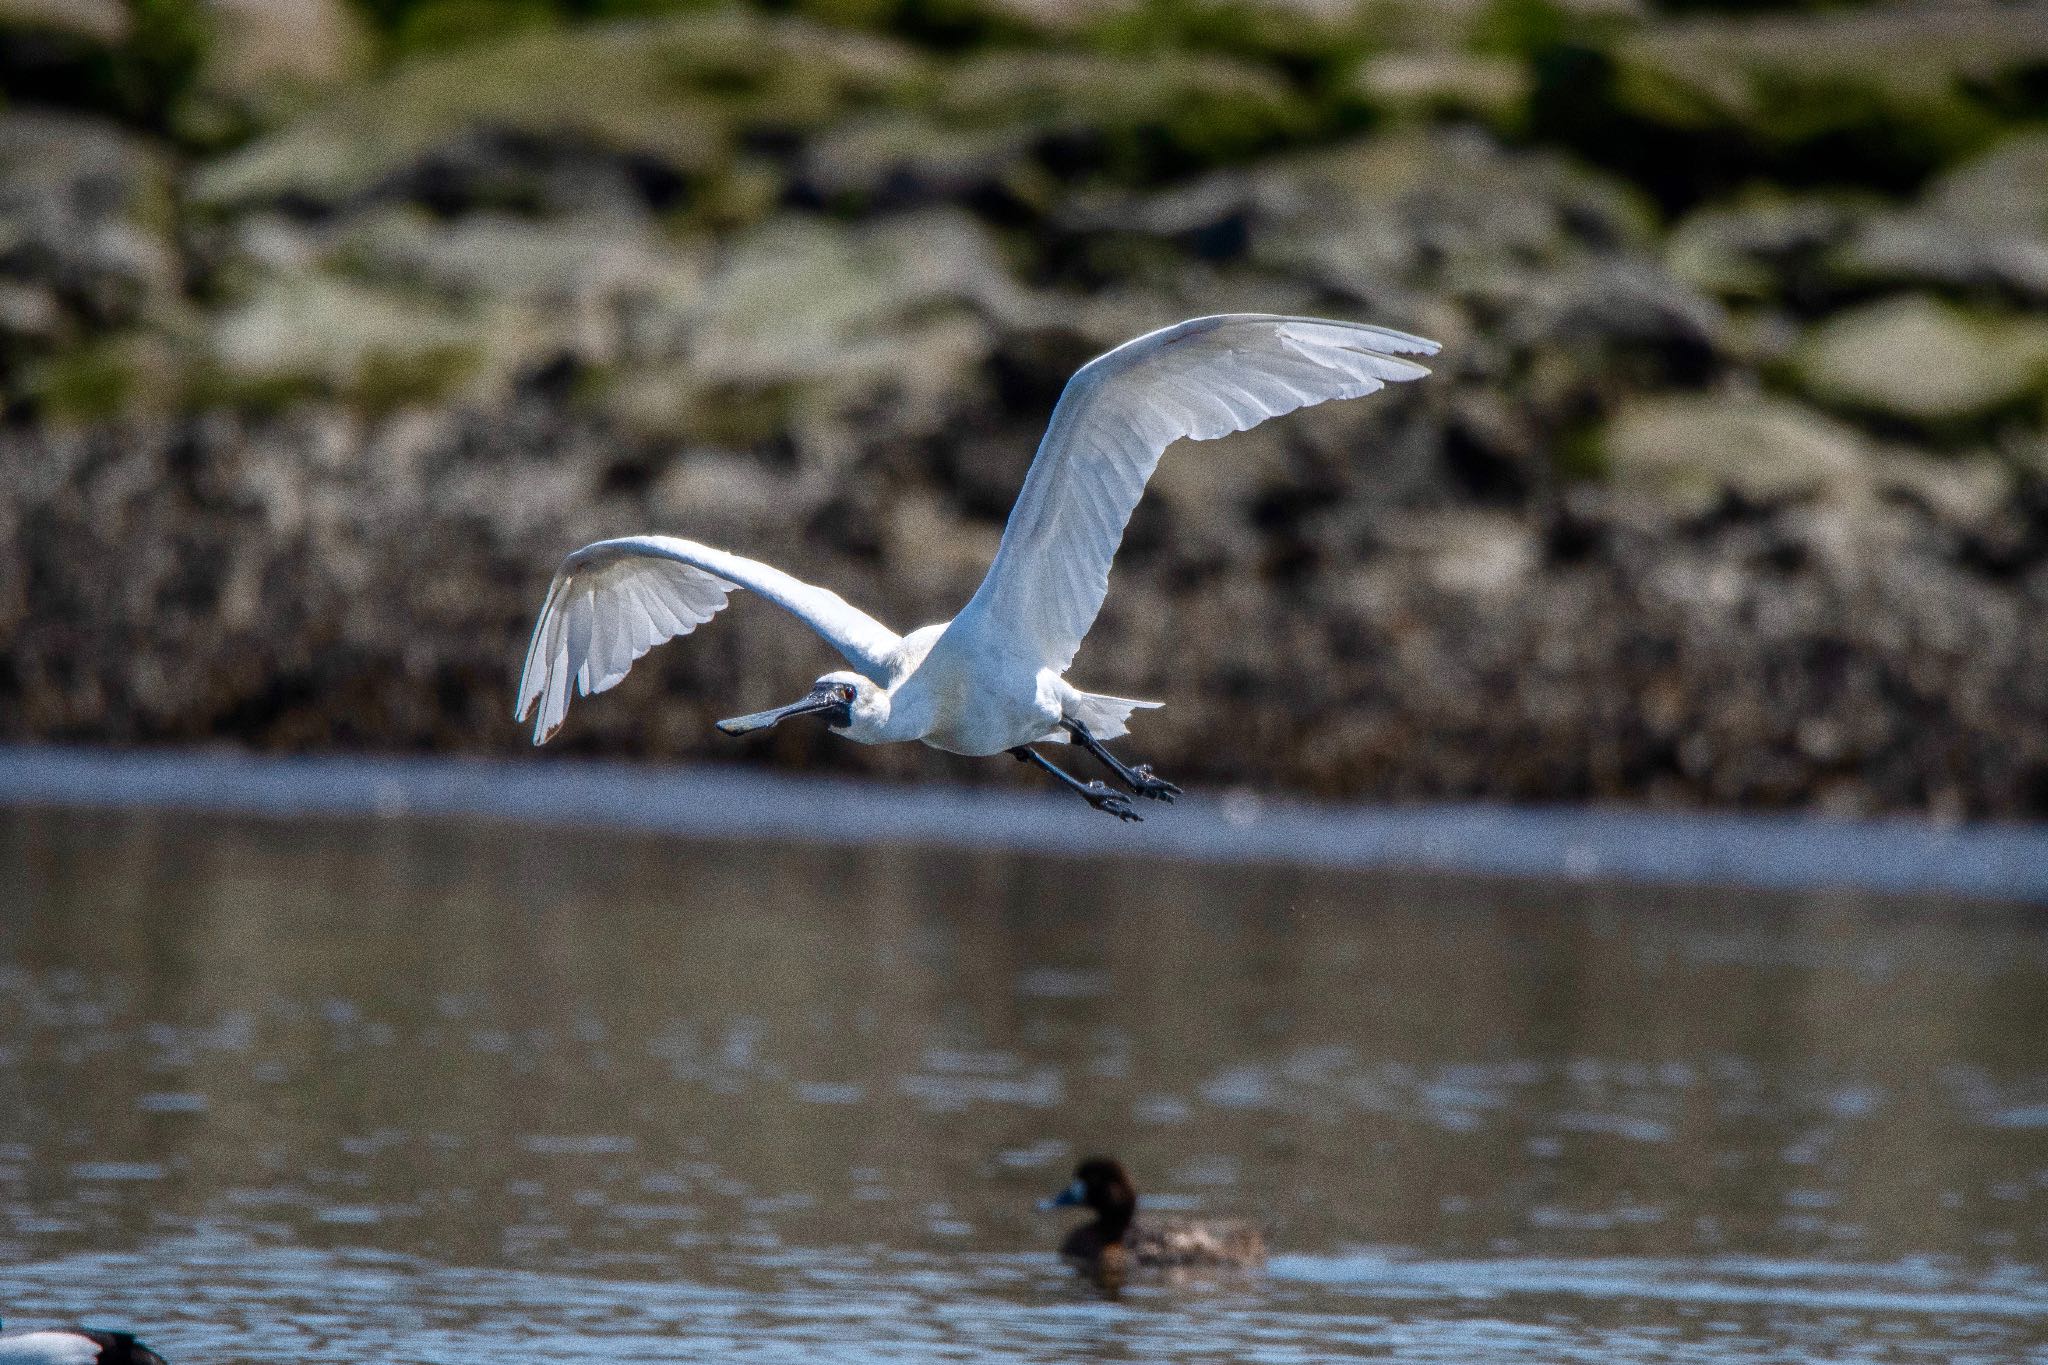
(1094, 793)
(1139, 779)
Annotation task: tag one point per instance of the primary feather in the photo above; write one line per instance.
(613, 601)
(1199, 379)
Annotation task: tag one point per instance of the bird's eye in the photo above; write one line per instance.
(845, 692)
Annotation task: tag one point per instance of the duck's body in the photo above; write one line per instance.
(993, 679)
(1118, 1241)
(1166, 1244)
(74, 1348)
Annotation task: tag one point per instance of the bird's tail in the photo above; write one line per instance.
(1106, 717)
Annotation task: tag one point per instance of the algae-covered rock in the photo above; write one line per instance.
(1636, 318)
(102, 21)
(1921, 361)
(2004, 190)
(1960, 491)
(1686, 451)
(85, 210)
(269, 54)
(1928, 251)
(799, 327)
(87, 255)
(676, 91)
(799, 298)
(887, 159)
(498, 256)
(1982, 226)
(1429, 85)
(315, 334)
(1449, 209)
(1913, 85)
(1169, 112)
(1763, 246)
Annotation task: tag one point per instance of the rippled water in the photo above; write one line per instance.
(360, 1091)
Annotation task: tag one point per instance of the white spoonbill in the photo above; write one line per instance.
(991, 680)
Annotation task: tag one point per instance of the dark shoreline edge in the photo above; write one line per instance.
(1763, 851)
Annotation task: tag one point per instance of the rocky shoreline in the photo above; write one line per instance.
(1853, 659)
(1722, 494)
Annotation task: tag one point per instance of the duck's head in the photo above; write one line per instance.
(850, 704)
(1102, 1185)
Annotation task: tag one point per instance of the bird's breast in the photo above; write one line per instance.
(978, 712)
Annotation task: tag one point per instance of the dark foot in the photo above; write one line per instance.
(1105, 798)
(1147, 783)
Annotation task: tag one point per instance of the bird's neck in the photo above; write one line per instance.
(881, 720)
(910, 715)
(1113, 1221)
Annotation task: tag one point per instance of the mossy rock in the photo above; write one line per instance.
(108, 379)
(1981, 228)
(1169, 113)
(1766, 246)
(893, 158)
(492, 256)
(1876, 92)
(800, 322)
(1925, 363)
(1303, 37)
(136, 60)
(678, 91)
(799, 298)
(1685, 452)
(104, 22)
(1446, 209)
(1431, 86)
(321, 335)
(270, 58)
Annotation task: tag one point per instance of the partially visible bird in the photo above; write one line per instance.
(1116, 1240)
(74, 1348)
(991, 680)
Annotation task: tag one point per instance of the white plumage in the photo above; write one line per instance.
(74, 1348)
(992, 679)
(48, 1348)
(613, 601)
(1199, 379)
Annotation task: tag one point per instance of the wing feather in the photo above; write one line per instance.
(1199, 379)
(613, 601)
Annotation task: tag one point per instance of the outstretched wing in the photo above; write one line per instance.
(613, 601)
(1201, 379)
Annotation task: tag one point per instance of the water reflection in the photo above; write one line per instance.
(381, 1086)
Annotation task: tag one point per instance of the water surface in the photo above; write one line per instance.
(397, 1090)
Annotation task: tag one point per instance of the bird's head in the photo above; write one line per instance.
(1099, 1184)
(849, 703)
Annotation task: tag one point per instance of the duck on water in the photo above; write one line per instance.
(1116, 1240)
(993, 679)
(74, 1348)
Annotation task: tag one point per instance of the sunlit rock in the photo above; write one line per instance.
(675, 93)
(1922, 361)
(100, 21)
(1686, 452)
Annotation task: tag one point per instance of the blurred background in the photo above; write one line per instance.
(326, 328)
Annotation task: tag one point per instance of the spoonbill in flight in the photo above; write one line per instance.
(991, 680)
